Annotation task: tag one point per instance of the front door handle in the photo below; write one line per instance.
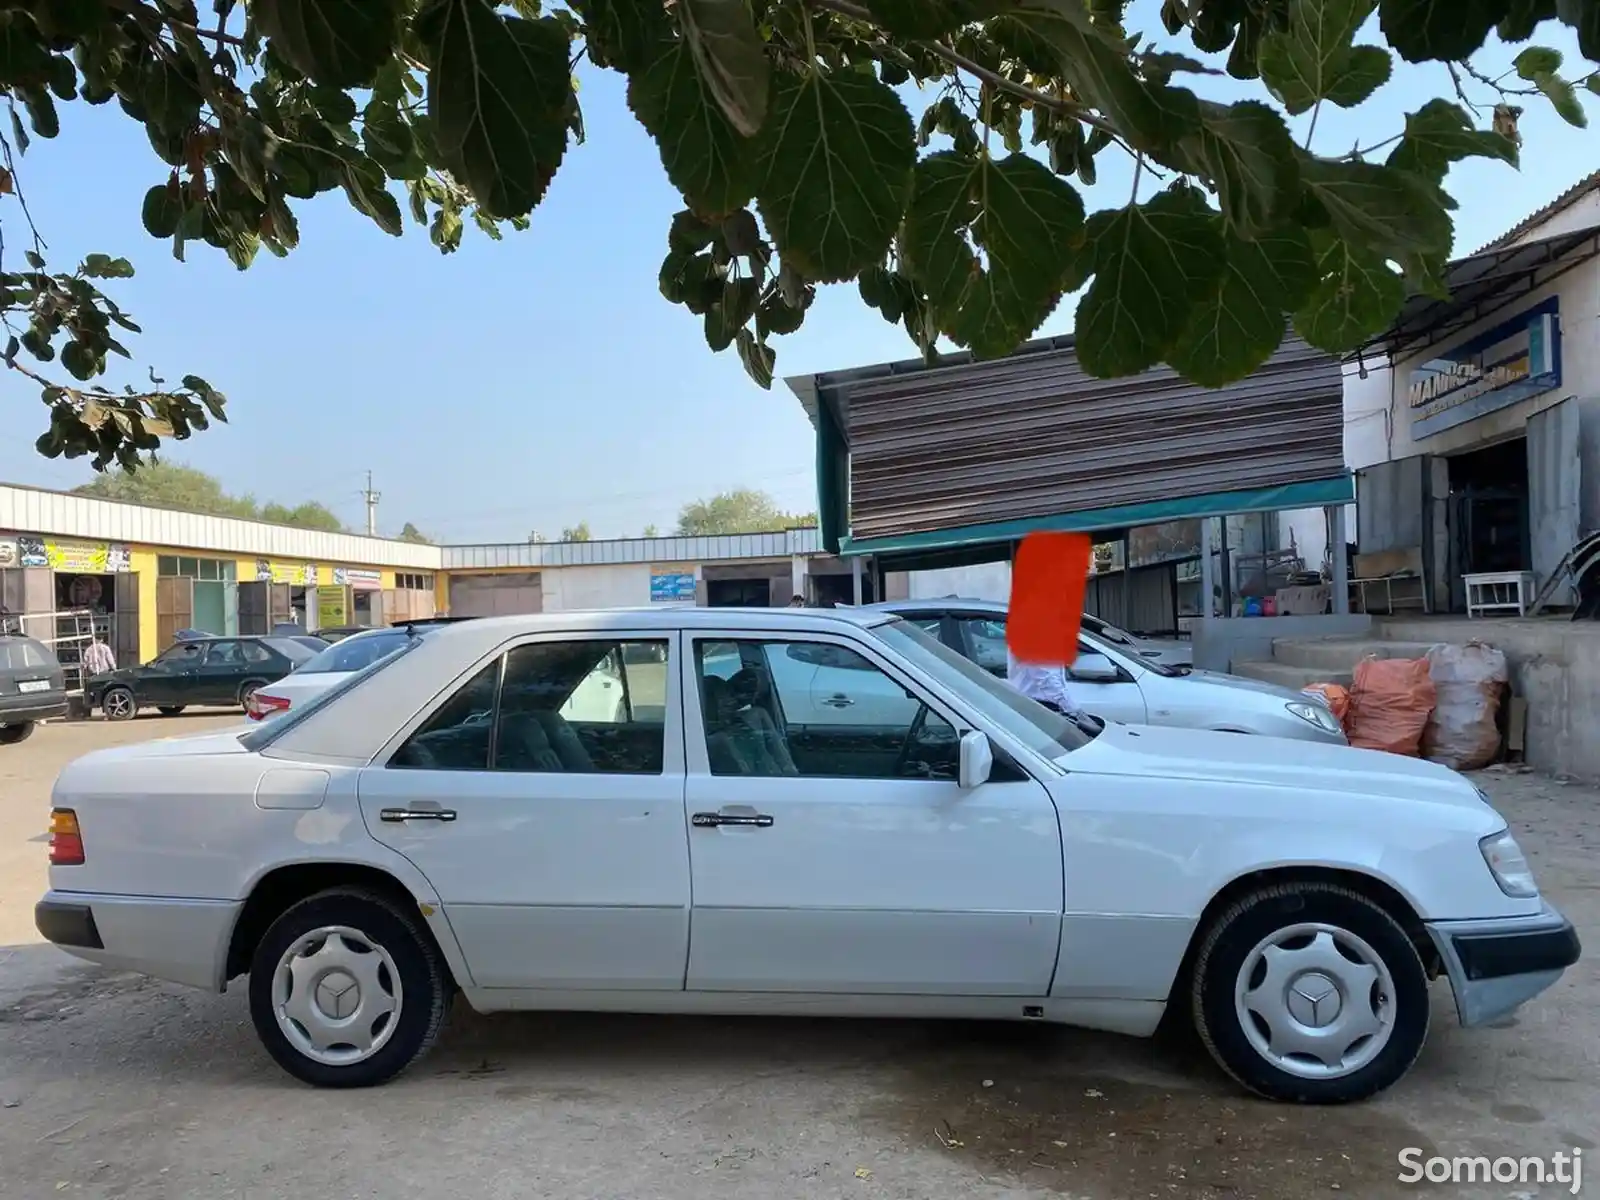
(416, 814)
(711, 820)
(839, 700)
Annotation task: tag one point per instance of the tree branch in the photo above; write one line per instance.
(154, 22)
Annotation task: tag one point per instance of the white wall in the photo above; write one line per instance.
(1309, 528)
(1582, 215)
(987, 581)
(1377, 416)
(571, 589)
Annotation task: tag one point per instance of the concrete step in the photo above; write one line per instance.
(1294, 678)
(1340, 654)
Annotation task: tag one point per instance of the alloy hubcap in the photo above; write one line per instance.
(1315, 1000)
(336, 994)
(118, 703)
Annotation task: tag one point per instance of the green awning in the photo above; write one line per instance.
(1314, 494)
(833, 479)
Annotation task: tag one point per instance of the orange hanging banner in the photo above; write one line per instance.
(1048, 579)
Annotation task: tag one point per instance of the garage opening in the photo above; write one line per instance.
(739, 593)
(1489, 507)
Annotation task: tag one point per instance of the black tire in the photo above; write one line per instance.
(10, 735)
(1230, 940)
(247, 689)
(116, 711)
(171, 710)
(425, 986)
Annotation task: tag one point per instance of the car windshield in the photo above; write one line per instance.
(1035, 726)
(295, 652)
(354, 653)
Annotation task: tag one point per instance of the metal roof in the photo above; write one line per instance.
(1483, 282)
(735, 547)
(1560, 204)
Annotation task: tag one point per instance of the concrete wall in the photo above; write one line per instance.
(572, 589)
(1555, 667)
(986, 581)
(1220, 641)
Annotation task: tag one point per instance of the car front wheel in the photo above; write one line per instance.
(347, 989)
(118, 704)
(1310, 992)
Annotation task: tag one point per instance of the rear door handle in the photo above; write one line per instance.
(711, 820)
(416, 814)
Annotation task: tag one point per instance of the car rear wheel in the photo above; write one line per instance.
(347, 989)
(248, 689)
(171, 710)
(1310, 992)
(118, 704)
(10, 735)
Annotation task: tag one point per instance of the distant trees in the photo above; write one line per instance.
(188, 489)
(410, 533)
(743, 510)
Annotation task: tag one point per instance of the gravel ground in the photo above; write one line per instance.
(114, 1086)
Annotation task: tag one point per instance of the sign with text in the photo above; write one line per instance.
(672, 585)
(359, 578)
(298, 574)
(86, 558)
(1514, 360)
(331, 609)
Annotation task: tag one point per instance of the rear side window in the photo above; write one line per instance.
(295, 652)
(23, 654)
(352, 654)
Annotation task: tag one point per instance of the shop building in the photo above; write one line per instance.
(73, 567)
(1473, 424)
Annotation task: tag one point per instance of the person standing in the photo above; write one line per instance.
(98, 658)
(1042, 682)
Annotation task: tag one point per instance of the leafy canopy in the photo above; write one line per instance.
(785, 126)
(743, 510)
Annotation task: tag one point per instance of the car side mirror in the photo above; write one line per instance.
(1094, 668)
(977, 759)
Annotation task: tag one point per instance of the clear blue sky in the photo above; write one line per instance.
(540, 381)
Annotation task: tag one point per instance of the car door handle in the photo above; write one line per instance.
(711, 820)
(416, 814)
(839, 701)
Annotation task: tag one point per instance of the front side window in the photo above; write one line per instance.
(184, 654)
(983, 640)
(781, 712)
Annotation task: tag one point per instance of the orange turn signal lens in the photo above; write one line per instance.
(66, 839)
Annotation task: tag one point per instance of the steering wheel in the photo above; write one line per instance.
(912, 735)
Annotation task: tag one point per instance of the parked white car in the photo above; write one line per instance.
(432, 823)
(1105, 680)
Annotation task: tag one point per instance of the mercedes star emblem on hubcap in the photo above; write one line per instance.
(1314, 1000)
(338, 995)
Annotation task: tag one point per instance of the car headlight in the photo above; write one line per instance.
(1509, 865)
(1317, 714)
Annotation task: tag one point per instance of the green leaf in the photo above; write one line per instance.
(732, 311)
(80, 360)
(1438, 30)
(1153, 263)
(929, 19)
(497, 96)
(1246, 151)
(1356, 296)
(23, 57)
(731, 59)
(1564, 98)
(705, 158)
(368, 194)
(1536, 61)
(1313, 60)
(836, 159)
(758, 358)
(623, 33)
(1583, 16)
(1378, 207)
(1239, 325)
(1027, 221)
(1593, 83)
(1522, 17)
(776, 316)
(103, 266)
(341, 43)
(1440, 134)
(162, 211)
(41, 108)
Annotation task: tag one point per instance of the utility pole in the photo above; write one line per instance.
(372, 498)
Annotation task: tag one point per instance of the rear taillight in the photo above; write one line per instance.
(66, 840)
(260, 706)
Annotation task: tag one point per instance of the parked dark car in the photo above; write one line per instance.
(32, 686)
(209, 670)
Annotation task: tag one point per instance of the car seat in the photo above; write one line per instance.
(765, 745)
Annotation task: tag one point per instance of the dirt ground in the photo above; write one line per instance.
(114, 1086)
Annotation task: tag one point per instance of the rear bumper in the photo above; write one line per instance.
(1496, 966)
(180, 940)
(16, 710)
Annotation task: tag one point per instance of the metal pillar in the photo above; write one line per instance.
(1208, 572)
(855, 580)
(1341, 562)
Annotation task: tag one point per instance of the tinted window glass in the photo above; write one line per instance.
(255, 652)
(295, 652)
(224, 654)
(983, 640)
(352, 654)
(456, 737)
(584, 707)
(17, 654)
(183, 654)
(769, 719)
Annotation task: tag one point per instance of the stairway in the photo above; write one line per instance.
(1298, 662)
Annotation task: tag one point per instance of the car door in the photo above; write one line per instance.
(859, 867)
(220, 674)
(1113, 697)
(557, 846)
(171, 677)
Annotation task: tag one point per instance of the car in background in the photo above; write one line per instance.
(33, 687)
(337, 633)
(436, 824)
(199, 670)
(1106, 680)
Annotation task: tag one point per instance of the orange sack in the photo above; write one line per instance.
(1335, 697)
(1391, 700)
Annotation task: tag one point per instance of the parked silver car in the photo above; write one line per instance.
(1113, 684)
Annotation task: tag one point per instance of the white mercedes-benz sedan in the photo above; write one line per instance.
(435, 823)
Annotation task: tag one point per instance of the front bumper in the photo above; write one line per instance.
(1495, 966)
(176, 939)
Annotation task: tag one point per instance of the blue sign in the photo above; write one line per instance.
(1516, 359)
(676, 588)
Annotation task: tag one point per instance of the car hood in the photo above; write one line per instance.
(1239, 683)
(1146, 752)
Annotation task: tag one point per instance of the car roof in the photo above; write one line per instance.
(937, 604)
(666, 619)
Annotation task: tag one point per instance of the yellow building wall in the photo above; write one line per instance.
(142, 559)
